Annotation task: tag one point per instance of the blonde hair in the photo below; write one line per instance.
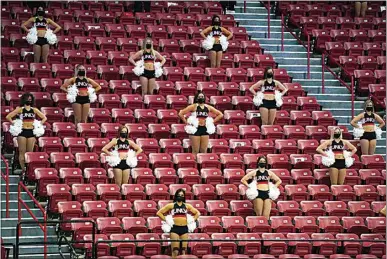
(333, 132)
(366, 104)
(77, 69)
(144, 43)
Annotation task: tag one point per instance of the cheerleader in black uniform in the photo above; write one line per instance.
(368, 119)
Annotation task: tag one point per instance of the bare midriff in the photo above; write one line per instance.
(217, 39)
(369, 127)
(180, 220)
(41, 32)
(123, 154)
(202, 121)
(149, 65)
(262, 186)
(28, 124)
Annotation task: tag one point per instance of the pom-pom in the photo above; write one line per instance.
(224, 42)
(274, 192)
(191, 224)
(92, 94)
(32, 36)
(51, 37)
(348, 159)
(138, 70)
(114, 159)
(358, 132)
(72, 93)
(278, 98)
(378, 132)
(158, 70)
(329, 159)
(211, 128)
(192, 124)
(167, 225)
(38, 128)
(258, 98)
(16, 128)
(131, 159)
(252, 192)
(208, 43)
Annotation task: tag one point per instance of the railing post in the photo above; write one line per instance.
(45, 234)
(352, 96)
(308, 56)
(323, 73)
(282, 32)
(244, 6)
(268, 19)
(19, 216)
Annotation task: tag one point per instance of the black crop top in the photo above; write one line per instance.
(122, 146)
(81, 83)
(268, 87)
(148, 56)
(262, 178)
(179, 211)
(27, 116)
(369, 119)
(337, 147)
(40, 24)
(216, 31)
(202, 112)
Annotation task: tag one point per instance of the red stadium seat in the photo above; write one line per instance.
(294, 132)
(296, 192)
(44, 177)
(71, 176)
(306, 224)
(218, 208)
(312, 208)
(224, 248)
(57, 193)
(95, 209)
(274, 247)
(330, 224)
(108, 192)
(354, 225)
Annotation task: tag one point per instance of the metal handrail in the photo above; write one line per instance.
(6, 179)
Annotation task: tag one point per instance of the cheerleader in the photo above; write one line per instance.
(27, 128)
(147, 68)
(80, 92)
(216, 32)
(180, 221)
(122, 145)
(203, 125)
(366, 130)
(268, 97)
(266, 191)
(335, 150)
(41, 44)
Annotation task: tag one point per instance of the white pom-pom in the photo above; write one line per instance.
(191, 224)
(348, 159)
(38, 128)
(274, 192)
(72, 93)
(208, 43)
(114, 159)
(32, 36)
(92, 94)
(167, 225)
(169, 220)
(211, 128)
(224, 42)
(252, 192)
(131, 159)
(190, 129)
(192, 124)
(51, 37)
(258, 98)
(329, 159)
(138, 70)
(16, 128)
(358, 132)
(278, 98)
(158, 70)
(378, 132)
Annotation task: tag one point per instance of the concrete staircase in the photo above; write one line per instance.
(337, 99)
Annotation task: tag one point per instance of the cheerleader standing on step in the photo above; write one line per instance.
(41, 46)
(81, 99)
(27, 113)
(148, 55)
(337, 145)
(262, 177)
(216, 31)
(368, 119)
(268, 86)
(201, 110)
(122, 144)
(179, 210)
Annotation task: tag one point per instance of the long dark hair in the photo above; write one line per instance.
(213, 19)
(265, 73)
(24, 98)
(260, 157)
(197, 96)
(177, 192)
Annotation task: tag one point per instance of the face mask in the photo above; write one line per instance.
(124, 134)
(216, 23)
(336, 135)
(29, 102)
(40, 13)
(201, 100)
(81, 73)
(180, 198)
(269, 75)
(369, 108)
(148, 46)
(262, 164)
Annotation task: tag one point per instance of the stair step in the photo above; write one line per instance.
(273, 34)
(13, 213)
(252, 15)
(262, 22)
(312, 90)
(298, 61)
(9, 231)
